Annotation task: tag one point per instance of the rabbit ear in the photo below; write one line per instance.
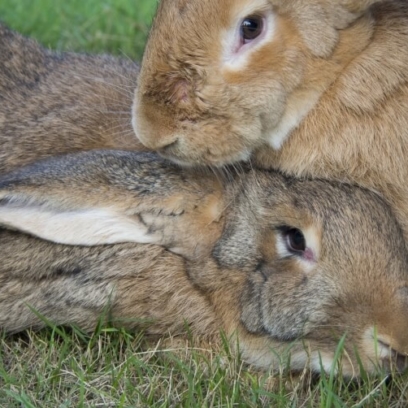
(95, 197)
(319, 21)
(357, 6)
(73, 226)
(52, 204)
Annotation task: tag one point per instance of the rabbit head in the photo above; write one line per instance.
(292, 267)
(221, 78)
(316, 262)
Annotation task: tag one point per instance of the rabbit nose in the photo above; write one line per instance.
(388, 348)
(391, 358)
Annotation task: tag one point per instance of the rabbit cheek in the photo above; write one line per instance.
(267, 81)
(251, 314)
(289, 305)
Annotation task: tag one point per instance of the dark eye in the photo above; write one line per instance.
(295, 240)
(251, 28)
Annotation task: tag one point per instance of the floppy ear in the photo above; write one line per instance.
(66, 204)
(319, 21)
(357, 6)
(99, 197)
(73, 226)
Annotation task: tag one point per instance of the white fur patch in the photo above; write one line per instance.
(295, 112)
(235, 56)
(81, 227)
(313, 239)
(281, 247)
(315, 360)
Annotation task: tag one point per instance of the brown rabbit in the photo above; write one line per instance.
(288, 266)
(291, 243)
(311, 87)
(54, 103)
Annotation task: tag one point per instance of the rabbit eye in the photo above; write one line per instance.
(295, 240)
(251, 28)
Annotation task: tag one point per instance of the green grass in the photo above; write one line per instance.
(65, 368)
(112, 369)
(103, 26)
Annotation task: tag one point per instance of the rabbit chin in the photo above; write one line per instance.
(296, 356)
(371, 357)
(219, 144)
(203, 143)
(185, 153)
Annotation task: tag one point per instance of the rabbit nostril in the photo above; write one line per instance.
(400, 361)
(391, 358)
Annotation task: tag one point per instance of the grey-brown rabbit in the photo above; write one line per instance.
(283, 264)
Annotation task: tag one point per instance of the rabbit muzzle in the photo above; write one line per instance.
(312, 314)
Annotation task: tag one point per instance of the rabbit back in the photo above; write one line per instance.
(56, 103)
(138, 287)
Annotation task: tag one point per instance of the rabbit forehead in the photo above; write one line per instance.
(242, 8)
(223, 10)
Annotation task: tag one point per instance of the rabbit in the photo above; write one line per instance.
(94, 209)
(56, 103)
(315, 88)
(284, 267)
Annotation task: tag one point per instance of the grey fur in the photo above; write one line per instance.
(231, 277)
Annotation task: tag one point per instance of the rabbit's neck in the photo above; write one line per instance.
(298, 106)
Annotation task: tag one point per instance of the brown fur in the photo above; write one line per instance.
(60, 103)
(233, 276)
(347, 59)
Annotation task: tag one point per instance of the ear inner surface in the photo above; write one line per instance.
(94, 226)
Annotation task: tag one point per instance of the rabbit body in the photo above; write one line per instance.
(130, 285)
(55, 103)
(282, 266)
(321, 92)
